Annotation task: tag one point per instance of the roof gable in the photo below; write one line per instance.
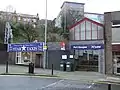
(85, 19)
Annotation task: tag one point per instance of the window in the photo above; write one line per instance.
(77, 34)
(88, 30)
(88, 26)
(83, 26)
(94, 34)
(100, 32)
(82, 35)
(76, 53)
(96, 52)
(81, 52)
(23, 57)
(100, 28)
(94, 31)
(94, 27)
(88, 35)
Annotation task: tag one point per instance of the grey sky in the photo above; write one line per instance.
(38, 6)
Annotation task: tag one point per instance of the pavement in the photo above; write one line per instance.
(81, 76)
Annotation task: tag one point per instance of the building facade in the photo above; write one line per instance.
(73, 12)
(86, 45)
(116, 46)
(18, 17)
(87, 42)
(70, 13)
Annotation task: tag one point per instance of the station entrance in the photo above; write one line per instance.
(87, 60)
(89, 57)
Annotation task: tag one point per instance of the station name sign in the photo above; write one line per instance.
(88, 47)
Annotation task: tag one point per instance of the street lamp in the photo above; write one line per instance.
(8, 31)
(45, 44)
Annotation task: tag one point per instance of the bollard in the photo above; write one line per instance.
(109, 86)
(52, 69)
(7, 66)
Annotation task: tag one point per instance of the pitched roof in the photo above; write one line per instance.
(84, 19)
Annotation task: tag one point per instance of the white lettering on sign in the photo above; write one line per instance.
(16, 49)
(25, 47)
(95, 46)
(32, 48)
(40, 48)
(83, 47)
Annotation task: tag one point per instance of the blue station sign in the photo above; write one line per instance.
(88, 47)
(26, 47)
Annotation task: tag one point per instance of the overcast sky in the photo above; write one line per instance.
(38, 6)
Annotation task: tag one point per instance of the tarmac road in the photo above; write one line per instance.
(38, 83)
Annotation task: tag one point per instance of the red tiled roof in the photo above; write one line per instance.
(84, 19)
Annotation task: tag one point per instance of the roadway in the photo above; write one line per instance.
(44, 83)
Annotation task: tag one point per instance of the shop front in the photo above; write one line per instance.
(23, 58)
(88, 55)
(26, 53)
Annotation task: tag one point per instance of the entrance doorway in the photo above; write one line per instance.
(87, 60)
(39, 61)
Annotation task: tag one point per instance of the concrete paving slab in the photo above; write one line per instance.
(77, 75)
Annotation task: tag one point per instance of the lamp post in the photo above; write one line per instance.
(45, 44)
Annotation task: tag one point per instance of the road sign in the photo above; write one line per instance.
(26, 47)
(62, 44)
(45, 47)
